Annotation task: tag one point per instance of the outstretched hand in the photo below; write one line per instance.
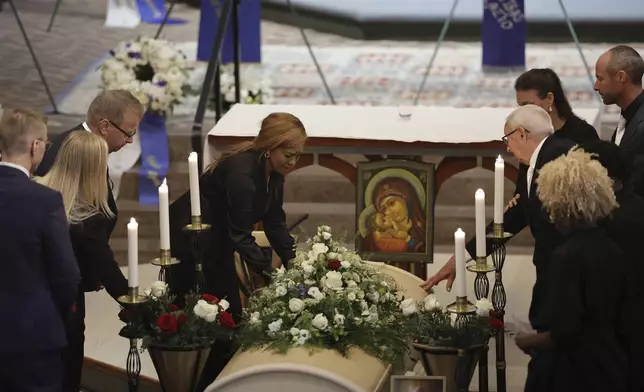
(513, 202)
(447, 273)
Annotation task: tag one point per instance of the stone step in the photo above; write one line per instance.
(340, 216)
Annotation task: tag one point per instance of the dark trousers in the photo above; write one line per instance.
(75, 352)
(33, 372)
(541, 371)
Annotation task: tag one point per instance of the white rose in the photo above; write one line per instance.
(206, 311)
(483, 307)
(254, 318)
(211, 316)
(326, 236)
(374, 296)
(431, 302)
(408, 306)
(319, 249)
(315, 293)
(338, 319)
(224, 304)
(295, 332)
(333, 280)
(275, 326)
(280, 291)
(296, 305)
(308, 268)
(320, 321)
(351, 296)
(305, 333)
(352, 283)
(158, 288)
(345, 264)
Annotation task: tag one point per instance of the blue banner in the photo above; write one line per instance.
(503, 34)
(153, 12)
(249, 32)
(155, 157)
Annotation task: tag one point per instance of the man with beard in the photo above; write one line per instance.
(619, 74)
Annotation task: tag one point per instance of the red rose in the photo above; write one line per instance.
(182, 319)
(173, 308)
(167, 323)
(334, 265)
(495, 323)
(226, 320)
(210, 298)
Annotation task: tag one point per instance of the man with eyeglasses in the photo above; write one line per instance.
(40, 275)
(527, 136)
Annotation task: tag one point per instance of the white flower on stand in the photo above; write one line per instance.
(157, 289)
(333, 280)
(320, 321)
(483, 307)
(408, 306)
(431, 302)
(296, 305)
(224, 305)
(206, 311)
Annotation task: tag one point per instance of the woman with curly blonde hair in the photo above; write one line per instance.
(587, 281)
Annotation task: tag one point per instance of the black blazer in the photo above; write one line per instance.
(528, 212)
(90, 240)
(235, 196)
(632, 143)
(50, 157)
(40, 277)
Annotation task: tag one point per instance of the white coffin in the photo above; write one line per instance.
(323, 371)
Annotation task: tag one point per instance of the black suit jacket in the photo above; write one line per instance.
(40, 277)
(632, 143)
(529, 212)
(50, 157)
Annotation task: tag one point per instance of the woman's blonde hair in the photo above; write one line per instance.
(277, 130)
(576, 188)
(79, 173)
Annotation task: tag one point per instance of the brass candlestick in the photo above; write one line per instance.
(131, 302)
(481, 290)
(499, 237)
(165, 261)
(197, 230)
(464, 310)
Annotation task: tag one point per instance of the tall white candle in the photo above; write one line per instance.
(459, 253)
(499, 179)
(164, 216)
(193, 164)
(479, 202)
(133, 253)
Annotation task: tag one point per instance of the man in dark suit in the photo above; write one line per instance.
(40, 276)
(619, 74)
(115, 116)
(527, 135)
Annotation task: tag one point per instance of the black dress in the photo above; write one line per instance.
(90, 240)
(234, 197)
(588, 314)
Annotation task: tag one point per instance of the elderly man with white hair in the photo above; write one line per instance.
(527, 136)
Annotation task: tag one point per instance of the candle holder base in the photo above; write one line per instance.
(165, 261)
(133, 362)
(132, 298)
(498, 232)
(461, 306)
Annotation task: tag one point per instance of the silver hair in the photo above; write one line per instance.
(533, 119)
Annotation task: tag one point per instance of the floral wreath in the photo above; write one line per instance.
(153, 70)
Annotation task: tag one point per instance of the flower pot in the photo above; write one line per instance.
(179, 370)
(457, 365)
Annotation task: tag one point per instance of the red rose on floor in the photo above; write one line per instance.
(210, 298)
(495, 323)
(334, 265)
(173, 308)
(182, 319)
(226, 320)
(167, 323)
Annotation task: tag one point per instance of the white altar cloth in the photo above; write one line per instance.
(426, 124)
(103, 344)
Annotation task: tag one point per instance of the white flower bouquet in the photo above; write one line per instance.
(328, 299)
(151, 69)
(253, 90)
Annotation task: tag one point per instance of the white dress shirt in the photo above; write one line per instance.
(621, 128)
(86, 127)
(22, 169)
(533, 162)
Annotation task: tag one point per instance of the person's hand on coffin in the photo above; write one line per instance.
(448, 273)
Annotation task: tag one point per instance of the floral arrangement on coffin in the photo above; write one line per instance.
(253, 91)
(327, 299)
(151, 69)
(160, 322)
(435, 327)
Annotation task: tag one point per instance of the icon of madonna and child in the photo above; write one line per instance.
(395, 211)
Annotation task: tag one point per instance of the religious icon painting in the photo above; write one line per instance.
(395, 211)
(418, 384)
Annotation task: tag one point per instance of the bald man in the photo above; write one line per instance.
(619, 74)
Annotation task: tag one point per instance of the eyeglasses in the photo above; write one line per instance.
(127, 134)
(504, 139)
